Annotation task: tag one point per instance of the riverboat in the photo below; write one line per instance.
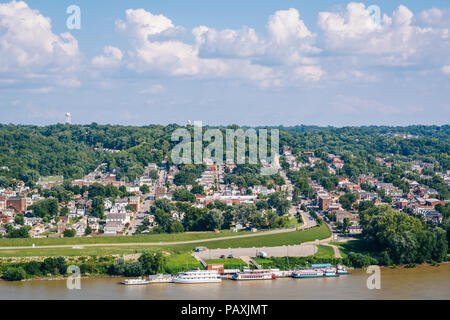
(198, 276)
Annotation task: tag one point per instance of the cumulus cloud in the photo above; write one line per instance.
(396, 41)
(309, 73)
(151, 54)
(228, 43)
(288, 53)
(27, 43)
(288, 41)
(112, 57)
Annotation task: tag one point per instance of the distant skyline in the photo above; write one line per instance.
(245, 62)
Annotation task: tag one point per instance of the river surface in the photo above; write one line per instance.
(423, 282)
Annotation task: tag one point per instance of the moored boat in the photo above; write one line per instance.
(255, 275)
(342, 270)
(160, 278)
(198, 276)
(135, 282)
(308, 273)
(330, 272)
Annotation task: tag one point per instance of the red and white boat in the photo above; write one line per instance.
(255, 275)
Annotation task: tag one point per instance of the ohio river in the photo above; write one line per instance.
(423, 282)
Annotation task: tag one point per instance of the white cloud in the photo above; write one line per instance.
(309, 73)
(112, 57)
(228, 43)
(436, 18)
(155, 89)
(286, 26)
(446, 69)
(171, 57)
(28, 45)
(397, 41)
(288, 41)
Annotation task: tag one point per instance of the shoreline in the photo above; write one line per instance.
(61, 278)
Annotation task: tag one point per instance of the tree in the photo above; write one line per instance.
(145, 189)
(69, 233)
(117, 268)
(23, 232)
(47, 208)
(153, 174)
(347, 200)
(88, 230)
(278, 201)
(152, 263)
(346, 224)
(96, 190)
(197, 189)
(176, 227)
(19, 219)
(184, 195)
(134, 269)
(14, 274)
(33, 268)
(98, 207)
(162, 204)
(64, 212)
(54, 266)
(214, 219)
(163, 219)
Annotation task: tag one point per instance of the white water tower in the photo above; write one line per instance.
(68, 118)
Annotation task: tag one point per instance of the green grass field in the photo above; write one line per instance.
(295, 222)
(353, 246)
(153, 238)
(324, 252)
(181, 262)
(271, 240)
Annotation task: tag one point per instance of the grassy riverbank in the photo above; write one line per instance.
(151, 238)
(260, 241)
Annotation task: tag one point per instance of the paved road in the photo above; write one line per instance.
(308, 220)
(151, 244)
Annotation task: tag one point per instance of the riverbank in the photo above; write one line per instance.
(405, 284)
(180, 266)
(247, 240)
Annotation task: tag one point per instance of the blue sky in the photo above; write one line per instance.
(245, 62)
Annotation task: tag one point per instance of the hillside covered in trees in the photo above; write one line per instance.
(71, 151)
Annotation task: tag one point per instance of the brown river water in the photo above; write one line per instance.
(423, 282)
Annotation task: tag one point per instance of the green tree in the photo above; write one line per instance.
(145, 189)
(98, 207)
(347, 200)
(184, 195)
(19, 219)
(69, 233)
(176, 227)
(152, 263)
(14, 274)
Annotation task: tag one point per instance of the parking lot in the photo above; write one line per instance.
(303, 250)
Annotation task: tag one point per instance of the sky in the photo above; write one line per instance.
(253, 62)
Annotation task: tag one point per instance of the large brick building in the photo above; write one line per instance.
(19, 204)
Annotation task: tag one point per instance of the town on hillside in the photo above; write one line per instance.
(211, 197)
